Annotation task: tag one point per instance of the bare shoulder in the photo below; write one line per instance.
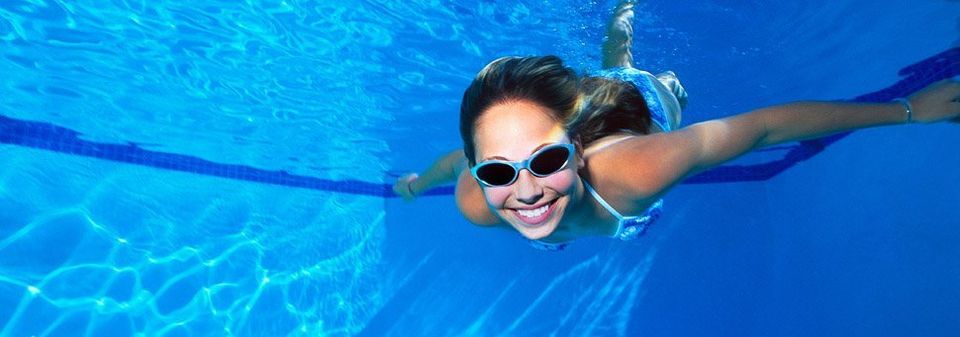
(471, 202)
(637, 168)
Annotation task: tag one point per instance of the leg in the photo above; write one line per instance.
(670, 80)
(672, 83)
(616, 46)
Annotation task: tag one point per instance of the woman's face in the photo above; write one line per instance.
(513, 131)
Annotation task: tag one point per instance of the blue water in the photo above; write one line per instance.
(217, 168)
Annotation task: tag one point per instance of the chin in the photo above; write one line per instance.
(532, 234)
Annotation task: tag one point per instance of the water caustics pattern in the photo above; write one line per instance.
(217, 80)
(219, 259)
(95, 249)
(92, 248)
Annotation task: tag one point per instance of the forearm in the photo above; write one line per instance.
(444, 170)
(718, 141)
(805, 120)
(707, 144)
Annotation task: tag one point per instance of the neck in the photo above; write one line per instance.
(580, 219)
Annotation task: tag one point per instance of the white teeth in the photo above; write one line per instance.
(533, 213)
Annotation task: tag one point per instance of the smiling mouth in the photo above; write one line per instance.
(536, 217)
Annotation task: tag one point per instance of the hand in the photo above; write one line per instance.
(403, 186)
(937, 102)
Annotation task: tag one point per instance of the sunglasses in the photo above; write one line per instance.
(546, 161)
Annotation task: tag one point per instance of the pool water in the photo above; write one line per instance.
(220, 168)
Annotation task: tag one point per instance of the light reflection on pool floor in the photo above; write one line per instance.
(93, 248)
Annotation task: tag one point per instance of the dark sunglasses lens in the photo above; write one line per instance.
(549, 161)
(496, 174)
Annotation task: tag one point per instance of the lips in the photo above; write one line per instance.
(535, 217)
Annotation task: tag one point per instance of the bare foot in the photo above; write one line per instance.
(620, 30)
(616, 47)
(670, 80)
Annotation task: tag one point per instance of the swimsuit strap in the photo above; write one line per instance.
(601, 201)
(629, 227)
(549, 246)
(634, 226)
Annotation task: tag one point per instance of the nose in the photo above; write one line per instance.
(526, 188)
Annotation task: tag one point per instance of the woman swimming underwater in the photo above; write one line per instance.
(556, 157)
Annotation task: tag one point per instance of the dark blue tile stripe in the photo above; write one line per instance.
(50, 137)
(55, 138)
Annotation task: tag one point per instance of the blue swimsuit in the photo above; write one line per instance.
(629, 227)
(646, 86)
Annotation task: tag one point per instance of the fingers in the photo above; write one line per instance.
(951, 93)
(956, 87)
(952, 86)
(937, 102)
(402, 187)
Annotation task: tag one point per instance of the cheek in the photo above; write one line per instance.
(562, 182)
(496, 196)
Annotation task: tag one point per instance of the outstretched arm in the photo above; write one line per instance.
(451, 167)
(446, 169)
(725, 139)
(704, 145)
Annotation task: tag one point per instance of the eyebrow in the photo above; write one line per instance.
(531, 152)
